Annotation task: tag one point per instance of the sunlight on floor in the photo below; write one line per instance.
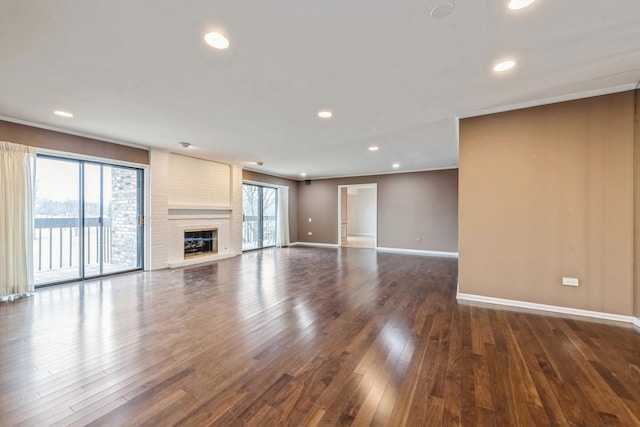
(359, 242)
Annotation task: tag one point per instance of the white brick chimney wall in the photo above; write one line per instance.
(158, 209)
(236, 205)
(188, 193)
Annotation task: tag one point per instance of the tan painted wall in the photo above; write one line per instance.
(547, 192)
(415, 205)
(293, 196)
(43, 138)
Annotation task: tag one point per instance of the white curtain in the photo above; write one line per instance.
(16, 220)
(283, 216)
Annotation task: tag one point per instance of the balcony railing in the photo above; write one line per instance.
(251, 231)
(56, 242)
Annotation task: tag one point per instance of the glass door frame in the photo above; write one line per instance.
(260, 216)
(140, 201)
(275, 216)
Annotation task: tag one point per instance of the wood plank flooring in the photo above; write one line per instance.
(306, 337)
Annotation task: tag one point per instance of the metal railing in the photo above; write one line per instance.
(251, 230)
(56, 242)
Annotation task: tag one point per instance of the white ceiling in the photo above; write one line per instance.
(140, 72)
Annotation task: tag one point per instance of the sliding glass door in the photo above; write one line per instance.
(93, 221)
(56, 237)
(269, 223)
(88, 220)
(259, 210)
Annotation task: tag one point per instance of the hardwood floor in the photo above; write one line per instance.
(306, 336)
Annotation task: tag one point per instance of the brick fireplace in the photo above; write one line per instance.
(182, 205)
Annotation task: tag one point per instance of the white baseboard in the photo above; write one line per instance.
(381, 249)
(636, 321)
(315, 245)
(550, 308)
(13, 297)
(418, 252)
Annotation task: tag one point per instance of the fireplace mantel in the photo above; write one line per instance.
(182, 212)
(199, 207)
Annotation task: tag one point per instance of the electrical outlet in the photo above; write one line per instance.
(570, 281)
(310, 233)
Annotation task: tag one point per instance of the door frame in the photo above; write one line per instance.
(143, 240)
(373, 185)
(261, 216)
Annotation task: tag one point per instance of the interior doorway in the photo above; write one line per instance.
(358, 215)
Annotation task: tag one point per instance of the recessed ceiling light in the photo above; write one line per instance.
(519, 4)
(504, 65)
(325, 114)
(303, 174)
(395, 165)
(373, 148)
(63, 113)
(217, 40)
(441, 11)
(185, 144)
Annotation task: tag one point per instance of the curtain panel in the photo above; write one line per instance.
(283, 216)
(16, 219)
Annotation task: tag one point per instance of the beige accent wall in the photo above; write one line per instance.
(293, 196)
(547, 192)
(419, 205)
(63, 142)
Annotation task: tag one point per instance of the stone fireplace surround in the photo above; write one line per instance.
(181, 220)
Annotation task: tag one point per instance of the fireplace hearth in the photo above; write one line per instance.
(200, 242)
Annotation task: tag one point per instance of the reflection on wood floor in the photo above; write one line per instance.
(306, 336)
